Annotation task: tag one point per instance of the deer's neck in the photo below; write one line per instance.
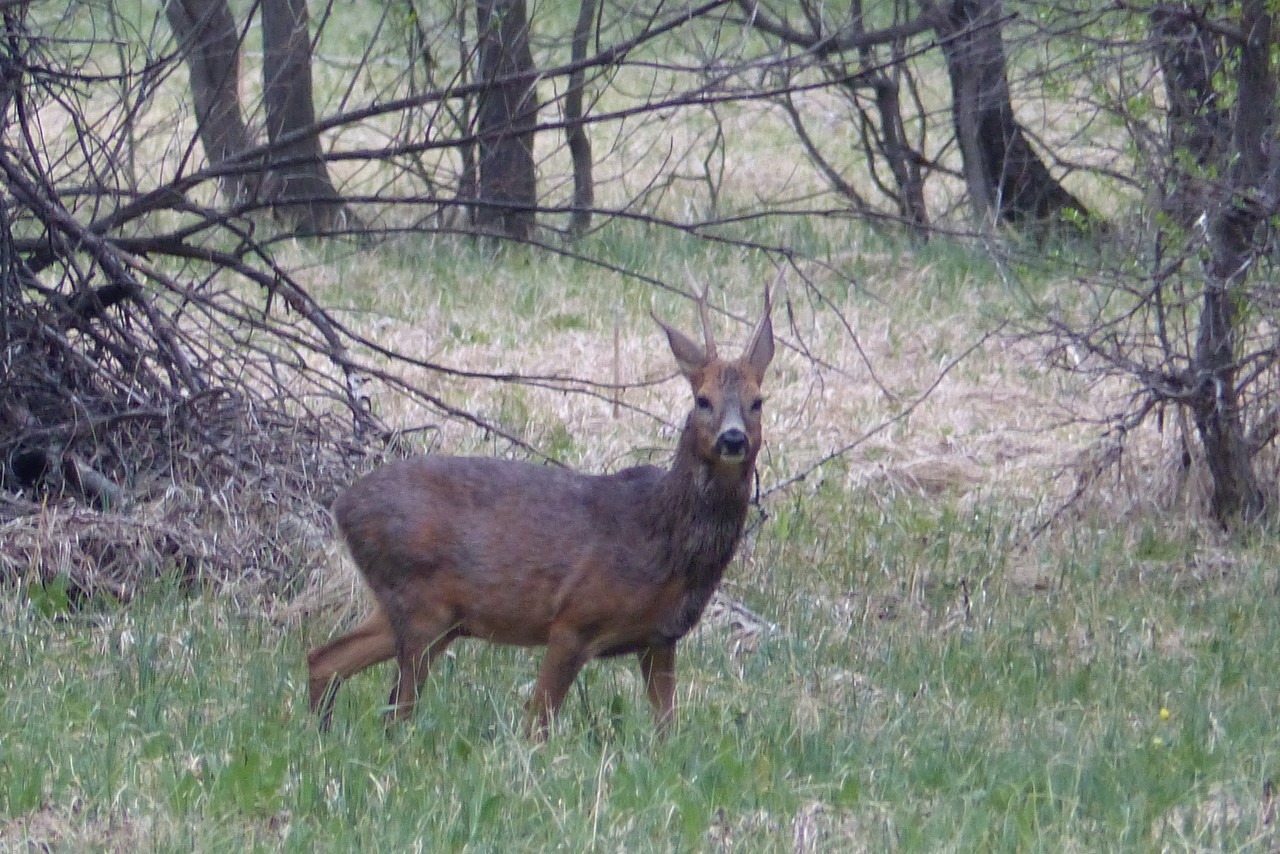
(702, 507)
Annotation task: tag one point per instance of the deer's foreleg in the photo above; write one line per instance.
(566, 653)
(658, 667)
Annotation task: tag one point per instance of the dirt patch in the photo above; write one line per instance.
(73, 827)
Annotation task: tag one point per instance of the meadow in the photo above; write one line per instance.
(956, 624)
(898, 662)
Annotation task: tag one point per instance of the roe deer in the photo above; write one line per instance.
(516, 553)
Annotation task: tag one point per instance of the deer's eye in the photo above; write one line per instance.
(757, 405)
(703, 403)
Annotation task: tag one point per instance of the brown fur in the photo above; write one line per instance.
(530, 555)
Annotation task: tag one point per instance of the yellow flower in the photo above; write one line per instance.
(1165, 714)
(1157, 742)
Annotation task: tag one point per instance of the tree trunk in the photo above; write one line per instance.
(506, 116)
(210, 46)
(1198, 128)
(575, 133)
(302, 193)
(1216, 403)
(1005, 177)
(903, 163)
(905, 168)
(1235, 239)
(11, 67)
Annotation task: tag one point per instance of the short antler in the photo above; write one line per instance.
(775, 287)
(705, 314)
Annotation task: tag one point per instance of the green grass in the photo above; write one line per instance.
(1032, 723)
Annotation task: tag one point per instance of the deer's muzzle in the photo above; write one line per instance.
(732, 445)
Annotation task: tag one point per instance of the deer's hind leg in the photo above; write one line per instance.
(415, 659)
(423, 630)
(327, 666)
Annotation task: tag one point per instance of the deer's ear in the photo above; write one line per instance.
(759, 352)
(689, 356)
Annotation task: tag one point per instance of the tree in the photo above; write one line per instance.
(506, 115)
(575, 132)
(302, 192)
(882, 132)
(210, 43)
(292, 176)
(1198, 337)
(1006, 179)
(1197, 127)
(1236, 241)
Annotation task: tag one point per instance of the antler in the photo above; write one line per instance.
(777, 283)
(705, 314)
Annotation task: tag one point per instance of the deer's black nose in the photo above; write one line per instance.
(732, 444)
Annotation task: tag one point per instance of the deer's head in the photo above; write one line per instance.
(727, 403)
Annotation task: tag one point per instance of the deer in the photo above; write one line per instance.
(588, 566)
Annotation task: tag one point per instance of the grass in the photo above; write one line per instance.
(916, 693)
